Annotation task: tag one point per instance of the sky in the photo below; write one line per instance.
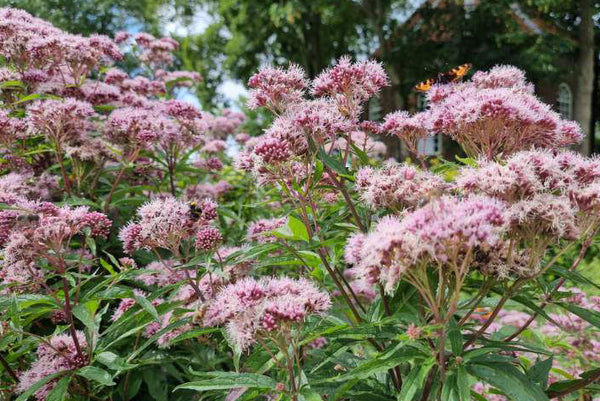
(230, 89)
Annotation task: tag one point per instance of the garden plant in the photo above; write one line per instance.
(154, 251)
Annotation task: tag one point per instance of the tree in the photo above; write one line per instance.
(577, 19)
(100, 16)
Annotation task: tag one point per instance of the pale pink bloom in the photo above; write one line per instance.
(60, 354)
(272, 151)
(260, 230)
(208, 190)
(435, 232)
(398, 186)
(497, 120)
(208, 238)
(214, 146)
(161, 273)
(179, 78)
(251, 306)
(503, 76)
(61, 121)
(351, 83)
(242, 138)
(276, 88)
(406, 127)
(353, 248)
(322, 120)
(544, 214)
(413, 332)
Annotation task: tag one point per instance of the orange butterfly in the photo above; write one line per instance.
(445, 77)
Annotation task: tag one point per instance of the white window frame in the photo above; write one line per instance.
(430, 145)
(564, 101)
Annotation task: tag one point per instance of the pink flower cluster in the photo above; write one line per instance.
(350, 84)
(331, 119)
(207, 190)
(276, 88)
(166, 223)
(59, 354)
(494, 114)
(251, 308)
(549, 193)
(260, 230)
(42, 52)
(439, 232)
(398, 186)
(35, 230)
(61, 121)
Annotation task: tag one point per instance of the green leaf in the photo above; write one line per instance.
(96, 374)
(540, 371)
(113, 361)
(298, 228)
(147, 305)
(588, 315)
(228, 380)
(508, 379)
(467, 160)
(450, 391)
(294, 230)
(335, 164)
(416, 379)
(85, 313)
(455, 337)
(59, 392)
(108, 267)
(574, 276)
(362, 155)
(462, 383)
(11, 84)
(570, 385)
(308, 394)
(380, 363)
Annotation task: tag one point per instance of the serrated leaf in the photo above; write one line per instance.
(380, 363)
(59, 392)
(228, 380)
(588, 315)
(508, 379)
(455, 337)
(147, 305)
(335, 164)
(85, 313)
(96, 374)
(113, 361)
(415, 380)
(540, 372)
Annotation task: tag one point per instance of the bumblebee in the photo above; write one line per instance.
(195, 211)
(28, 218)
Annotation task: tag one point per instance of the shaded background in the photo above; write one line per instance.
(555, 41)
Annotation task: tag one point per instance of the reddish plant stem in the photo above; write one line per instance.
(63, 171)
(493, 316)
(113, 188)
(584, 382)
(340, 186)
(69, 313)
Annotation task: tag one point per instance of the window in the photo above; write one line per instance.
(565, 101)
(422, 102)
(430, 145)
